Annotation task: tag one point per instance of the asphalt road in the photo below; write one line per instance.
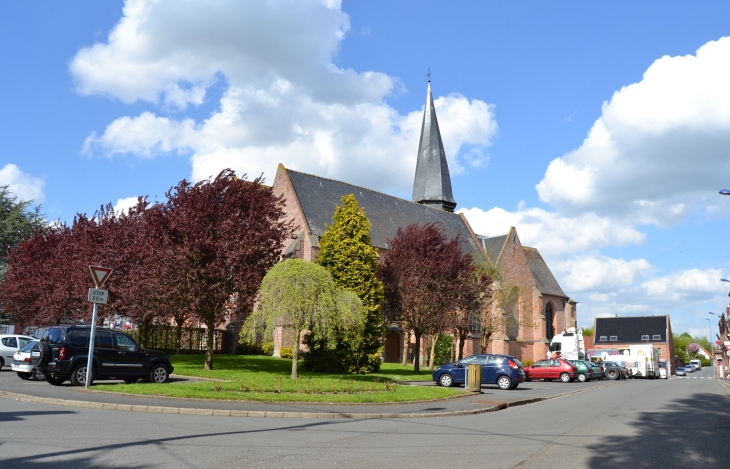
(675, 423)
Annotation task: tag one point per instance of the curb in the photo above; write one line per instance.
(725, 386)
(270, 414)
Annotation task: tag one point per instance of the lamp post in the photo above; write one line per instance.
(712, 354)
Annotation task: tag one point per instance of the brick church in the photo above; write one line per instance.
(541, 309)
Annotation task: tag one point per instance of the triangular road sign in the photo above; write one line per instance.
(99, 274)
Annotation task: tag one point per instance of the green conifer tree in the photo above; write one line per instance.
(345, 250)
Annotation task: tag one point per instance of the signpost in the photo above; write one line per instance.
(97, 296)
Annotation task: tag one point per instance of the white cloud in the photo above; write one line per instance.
(123, 205)
(658, 153)
(551, 233)
(22, 185)
(285, 99)
(596, 273)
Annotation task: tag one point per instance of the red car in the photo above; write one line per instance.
(554, 368)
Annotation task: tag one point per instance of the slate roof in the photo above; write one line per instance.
(630, 329)
(493, 246)
(319, 196)
(432, 184)
(544, 278)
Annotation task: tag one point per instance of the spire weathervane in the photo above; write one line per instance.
(429, 74)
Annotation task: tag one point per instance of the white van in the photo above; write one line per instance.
(696, 363)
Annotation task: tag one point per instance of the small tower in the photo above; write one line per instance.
(432, 185)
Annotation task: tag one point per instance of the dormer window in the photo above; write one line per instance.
(603, 338)
(656, 337)
(613, 338)
(645, 337)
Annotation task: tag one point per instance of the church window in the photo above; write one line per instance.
(549, 327)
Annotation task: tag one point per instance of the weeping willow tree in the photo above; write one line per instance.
(301, 296)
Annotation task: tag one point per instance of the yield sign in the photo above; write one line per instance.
(99, 274)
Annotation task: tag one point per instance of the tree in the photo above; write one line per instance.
(226, 233)
(420, 273)
(346, 251)
(302, 296)
(475, 296)
(17, 222)
(587, 331)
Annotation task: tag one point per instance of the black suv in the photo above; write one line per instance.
(64, 354)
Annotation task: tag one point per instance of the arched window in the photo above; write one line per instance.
(549, 315)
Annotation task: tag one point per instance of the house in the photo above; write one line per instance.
(541, 308)
(621, 332)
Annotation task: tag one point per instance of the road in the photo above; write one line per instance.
(674, 423)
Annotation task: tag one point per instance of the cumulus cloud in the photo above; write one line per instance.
(658, 153)
(123, 205)
(551, 233)
(285, 100)
(22, 185)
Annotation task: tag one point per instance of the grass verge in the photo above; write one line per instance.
(266, 379)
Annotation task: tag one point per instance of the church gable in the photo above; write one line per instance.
(544, 278)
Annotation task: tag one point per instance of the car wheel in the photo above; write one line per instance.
(78, 375)
(445, 380)
(22, 375)
(36, 375)
(612, 373)
(581, 377)
(53, 380)
(2, 363)
(44, 357)
(159, 374)
(504, 382)
(565, 377)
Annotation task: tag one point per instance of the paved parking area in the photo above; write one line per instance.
(491, 396)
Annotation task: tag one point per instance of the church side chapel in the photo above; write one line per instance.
(534, 306)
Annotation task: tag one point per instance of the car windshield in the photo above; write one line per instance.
(29, 346)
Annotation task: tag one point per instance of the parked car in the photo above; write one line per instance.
(597, 370)
(681, 371)
(663, 373)
(9, 344)
(615, 370)
(696, 363)
(554, 368)
(503, 370)
(22, 363)
(690, 368)
(64, 354)
(585, 370)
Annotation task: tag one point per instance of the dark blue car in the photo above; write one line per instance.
(502, 370)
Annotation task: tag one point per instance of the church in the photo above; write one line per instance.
(541, 307)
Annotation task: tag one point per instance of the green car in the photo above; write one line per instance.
(585, 370)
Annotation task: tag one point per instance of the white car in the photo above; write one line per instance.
(9, 344)
(22, 361)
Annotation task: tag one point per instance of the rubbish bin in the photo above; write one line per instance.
(474, 378)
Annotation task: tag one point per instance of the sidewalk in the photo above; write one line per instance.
(491, 399)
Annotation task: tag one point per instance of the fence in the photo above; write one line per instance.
(164, 337)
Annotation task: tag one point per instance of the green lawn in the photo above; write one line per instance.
(262, 378)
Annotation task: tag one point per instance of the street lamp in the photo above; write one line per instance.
(712, 354)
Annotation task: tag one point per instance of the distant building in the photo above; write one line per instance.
(621, 332)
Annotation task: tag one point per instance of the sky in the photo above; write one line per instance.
(600, 131)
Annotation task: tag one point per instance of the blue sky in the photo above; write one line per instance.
(602, 132)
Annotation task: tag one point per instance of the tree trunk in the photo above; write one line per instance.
(178, 338)
(462, 338)
(453, 348)
(209, 346)
(433, 341)
(417, 353)
(406, 343)
(295, 357)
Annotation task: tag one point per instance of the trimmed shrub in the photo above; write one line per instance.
(268, 348)
(286, 352)
(246, 348)
(527, 363)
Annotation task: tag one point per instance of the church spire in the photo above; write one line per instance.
(432, 185)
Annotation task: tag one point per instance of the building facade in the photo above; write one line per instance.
(622, 332)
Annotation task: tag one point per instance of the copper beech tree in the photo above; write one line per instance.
(423, 275)
(201, 254)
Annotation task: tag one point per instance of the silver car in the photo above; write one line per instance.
(9, 344)
(22, 363)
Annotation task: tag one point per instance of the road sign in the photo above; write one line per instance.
(99, 274)
(98, 296)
